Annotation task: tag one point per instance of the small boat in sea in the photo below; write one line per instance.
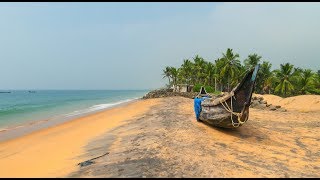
(32, 91)
(232, 109)
(5, 91)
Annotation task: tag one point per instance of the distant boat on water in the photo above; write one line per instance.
(5, 92)
(32, 91)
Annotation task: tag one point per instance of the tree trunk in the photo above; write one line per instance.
(228, 84)
(215, 84)
(285, 91)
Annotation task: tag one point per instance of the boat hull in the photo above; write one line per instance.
(232, 109)
(218, 116)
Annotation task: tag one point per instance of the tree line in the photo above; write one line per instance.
(227, 71)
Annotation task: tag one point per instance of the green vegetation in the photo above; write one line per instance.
(226, 72)
(209, 89)
(197, 87)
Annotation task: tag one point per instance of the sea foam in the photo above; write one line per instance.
(97, 107)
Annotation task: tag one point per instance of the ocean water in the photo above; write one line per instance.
(21, 106)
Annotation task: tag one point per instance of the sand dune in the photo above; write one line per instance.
(302, 103)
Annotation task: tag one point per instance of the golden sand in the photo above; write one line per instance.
(56, 151)
(289, 139)
(302, 103)
(168, 142)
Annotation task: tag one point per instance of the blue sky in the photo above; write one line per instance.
(126, 45)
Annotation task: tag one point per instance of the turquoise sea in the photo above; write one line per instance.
(22, 106)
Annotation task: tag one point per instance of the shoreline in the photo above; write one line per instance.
(26, 128)
(55, 151)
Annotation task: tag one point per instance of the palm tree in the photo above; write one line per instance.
(231, 66)
(166, 74)
(263, 74)
(295, 79)
(174, 76)
(199, 69)
(306, 81)
(269, 83)
(210, 72)
(252, 60)
(186, 71)
(218, 79)
(284, 75)
(239, 75)
(318, 79)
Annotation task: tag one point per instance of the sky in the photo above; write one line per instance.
(106, 45)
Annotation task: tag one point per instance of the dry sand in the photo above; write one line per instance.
(302, 103)
(168, 142)
(163, 139)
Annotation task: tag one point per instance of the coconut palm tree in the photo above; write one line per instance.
(269, 83)
(174, 76)
(210, 72)
(306, 81)
(231, 65)
(186, 71)
(219, 80)
(239, 76)
(318, 79)
(263, 74)
(284, 75)
(166, 74)
(252, 61)
(199, 69)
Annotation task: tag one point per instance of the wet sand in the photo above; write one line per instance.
(168, 142)
(161, 138)
(56, 151)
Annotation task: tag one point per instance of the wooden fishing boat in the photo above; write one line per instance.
(232, 109)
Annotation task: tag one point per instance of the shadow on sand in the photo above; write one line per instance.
(243, 132)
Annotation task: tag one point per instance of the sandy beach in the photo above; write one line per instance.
(161, 138)
(159, 90)
(56, 151)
